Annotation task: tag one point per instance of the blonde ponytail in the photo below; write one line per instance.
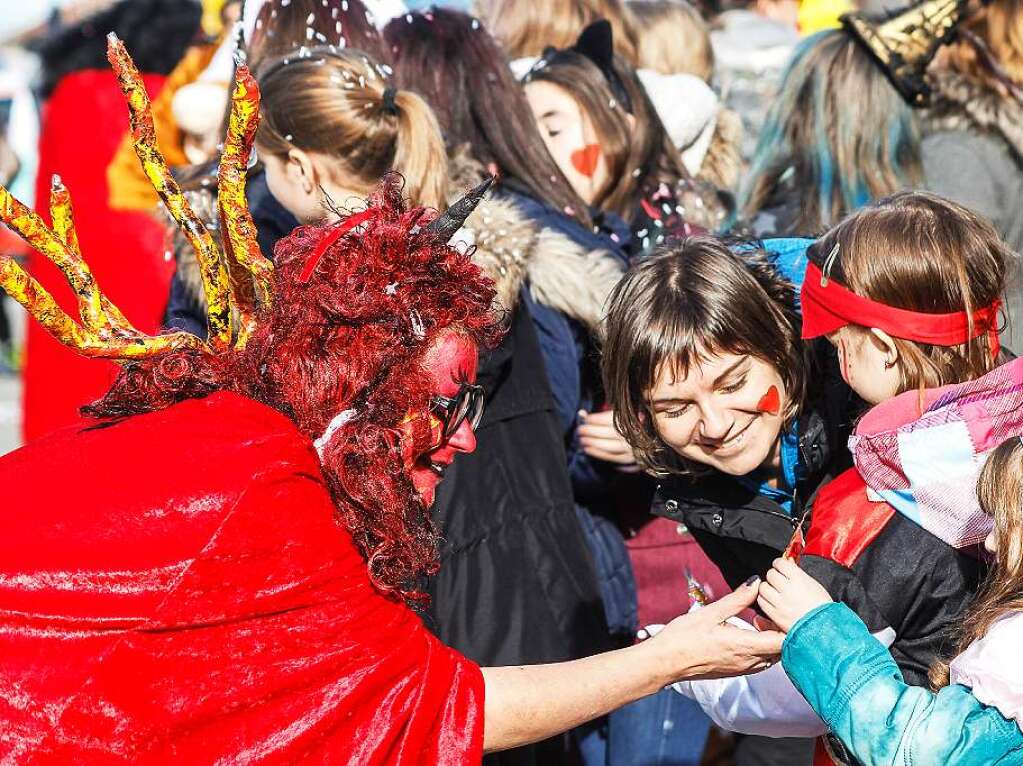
(419, 153)
(340, 104)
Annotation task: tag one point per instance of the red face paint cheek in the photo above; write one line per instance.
(770, 402)
(585, 160)
(420, 435)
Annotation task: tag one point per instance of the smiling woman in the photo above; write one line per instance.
(717, 395)
(711, 386)
(698, 339)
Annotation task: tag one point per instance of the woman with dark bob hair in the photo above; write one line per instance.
(719, 398)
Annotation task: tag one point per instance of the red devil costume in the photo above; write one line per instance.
(186, 579)
(161, 604)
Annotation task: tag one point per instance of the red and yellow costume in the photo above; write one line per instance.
(186, 578)
(175, 588)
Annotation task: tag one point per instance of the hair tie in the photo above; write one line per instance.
(389, 106)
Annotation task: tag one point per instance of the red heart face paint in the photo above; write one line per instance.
(585, 160)
(770, 402)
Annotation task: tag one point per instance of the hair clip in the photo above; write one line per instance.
(829, 262)
(418, 328)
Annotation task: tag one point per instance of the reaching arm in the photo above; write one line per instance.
(529, 703)
(851, 680)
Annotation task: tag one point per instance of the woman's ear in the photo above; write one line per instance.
(885, 343)
(301, 172)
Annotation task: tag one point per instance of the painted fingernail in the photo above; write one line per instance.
(752, 581)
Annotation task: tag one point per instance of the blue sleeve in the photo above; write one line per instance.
(854, 685)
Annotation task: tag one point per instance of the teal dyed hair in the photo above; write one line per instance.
(837, 137)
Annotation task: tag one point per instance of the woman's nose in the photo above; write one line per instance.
(464, 439)
(714, 423)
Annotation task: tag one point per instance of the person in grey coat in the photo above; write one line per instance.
(972, 147)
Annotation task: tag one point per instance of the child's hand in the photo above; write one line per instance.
(789, 593)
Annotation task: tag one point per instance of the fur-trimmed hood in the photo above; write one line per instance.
(512, 249)
(961, 103)
(509, 247)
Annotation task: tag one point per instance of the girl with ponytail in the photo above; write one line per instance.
(333, 125)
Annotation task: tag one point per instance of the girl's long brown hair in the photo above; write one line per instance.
(1000, 492)
(451, 60)
(640, 155)
(333, 102)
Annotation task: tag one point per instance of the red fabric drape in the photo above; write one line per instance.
(174, 588)
(82, 125)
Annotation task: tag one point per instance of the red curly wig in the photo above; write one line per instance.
(349, 338)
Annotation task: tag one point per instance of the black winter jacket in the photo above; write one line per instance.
(743, 531)
(516, 583)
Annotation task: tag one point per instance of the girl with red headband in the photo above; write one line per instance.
(907, 291)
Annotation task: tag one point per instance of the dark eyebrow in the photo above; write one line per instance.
(550, 113)
(729, 371)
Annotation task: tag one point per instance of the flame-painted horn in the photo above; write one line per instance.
(444, 226)
(905, 42)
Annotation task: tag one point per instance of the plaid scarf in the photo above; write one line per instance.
(926, 465)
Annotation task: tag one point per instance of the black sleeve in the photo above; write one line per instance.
(183, 310)
(909, 580)
(843, 585)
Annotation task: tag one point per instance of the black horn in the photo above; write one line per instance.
(444, 226)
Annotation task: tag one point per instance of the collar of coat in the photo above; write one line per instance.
(962, 103)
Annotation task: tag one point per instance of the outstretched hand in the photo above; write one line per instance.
(702, 644)
(789, 594)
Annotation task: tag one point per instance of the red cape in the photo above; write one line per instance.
(174, 589)
(82, 126)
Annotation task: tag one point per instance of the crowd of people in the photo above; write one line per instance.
(588, 382)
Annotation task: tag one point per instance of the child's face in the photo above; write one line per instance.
(866, 364)
(726, 412)
(570, 138)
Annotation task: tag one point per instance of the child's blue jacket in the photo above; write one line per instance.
(854, 685)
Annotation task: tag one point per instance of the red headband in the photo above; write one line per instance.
(829, 306)
(339, 230)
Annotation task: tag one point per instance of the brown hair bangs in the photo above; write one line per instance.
(673, 310)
